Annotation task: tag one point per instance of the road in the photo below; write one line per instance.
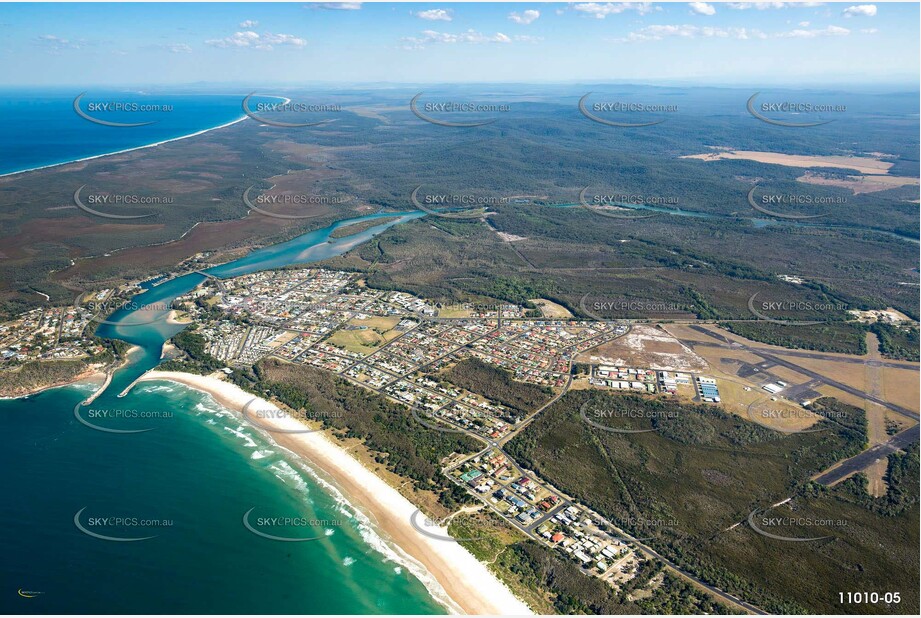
(529, 529)
(867, 458)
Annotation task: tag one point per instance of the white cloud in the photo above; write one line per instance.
(702, 8)
(803, 24)
(248, 39)
(600, 11)
(283, 39)
(469, 36)
(811, 34)
(57, 43)
(248, 24)
(337, 6)
(688, 31)
(178, 48)
(762, 6)
(869, 31)
(525, 17)
(435, 15)
(860, 10)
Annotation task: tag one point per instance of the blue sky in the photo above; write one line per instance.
(299, 43)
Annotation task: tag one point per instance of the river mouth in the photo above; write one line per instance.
(149, 329)
(180, 486)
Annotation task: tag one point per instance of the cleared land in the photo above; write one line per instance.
(645, 346)
(365, 335)
(550, 309)
(864, 165)
(859, 184)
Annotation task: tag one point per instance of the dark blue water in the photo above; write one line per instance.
(40, 128)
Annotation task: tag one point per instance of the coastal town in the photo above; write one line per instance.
(55, 333)
(396, 345)
(400, 346)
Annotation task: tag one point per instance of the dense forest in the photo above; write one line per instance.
(683, 486)
(399, 442)
(497, 384)
(708, 258)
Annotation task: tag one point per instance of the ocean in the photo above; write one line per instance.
(179, 493)
(41, 128)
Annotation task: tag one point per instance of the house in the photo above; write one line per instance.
(471, 476)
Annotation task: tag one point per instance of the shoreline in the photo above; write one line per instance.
(173, 319)
(91, 375)
(102, 374)
(123, 151)
(468, 585)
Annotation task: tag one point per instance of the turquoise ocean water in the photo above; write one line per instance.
(187, 484)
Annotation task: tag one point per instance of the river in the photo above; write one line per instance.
(183, 487)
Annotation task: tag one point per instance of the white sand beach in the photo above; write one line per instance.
(467, 582)
(174, 318)
(117, 152)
